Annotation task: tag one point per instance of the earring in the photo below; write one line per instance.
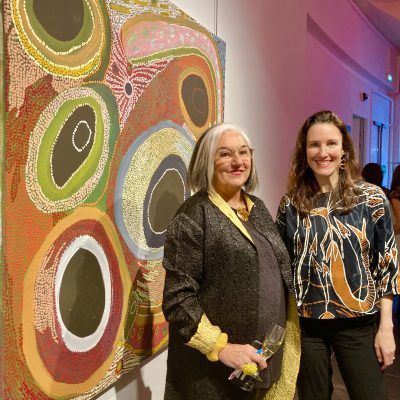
(342, 164)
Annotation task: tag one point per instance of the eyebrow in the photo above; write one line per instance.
(230, 148)
(320, 141)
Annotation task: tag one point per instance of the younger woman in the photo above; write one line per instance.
(339, 234)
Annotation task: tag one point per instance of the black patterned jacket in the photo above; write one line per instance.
(212, 268)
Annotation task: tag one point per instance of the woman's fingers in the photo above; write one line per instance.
(236, 355)
(385, 347)
(255, 357)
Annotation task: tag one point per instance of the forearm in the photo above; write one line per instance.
(386, 321)
(384, 344)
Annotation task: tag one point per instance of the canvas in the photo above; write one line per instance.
(101, 105)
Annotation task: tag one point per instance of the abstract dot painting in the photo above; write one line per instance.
(102, 102)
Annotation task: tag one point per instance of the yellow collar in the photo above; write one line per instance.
(224, 207)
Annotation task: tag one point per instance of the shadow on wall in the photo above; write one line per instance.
(136, 384)
(141, 391)
(129, 386)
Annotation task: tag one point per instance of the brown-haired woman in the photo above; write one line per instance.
(395, 201)
(394, 197)
(339, 234)
(372, 173)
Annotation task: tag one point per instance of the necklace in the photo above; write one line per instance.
(242, 213)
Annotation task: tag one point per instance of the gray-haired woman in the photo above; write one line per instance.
(227, 276)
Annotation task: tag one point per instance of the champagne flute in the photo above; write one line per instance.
(271, 343)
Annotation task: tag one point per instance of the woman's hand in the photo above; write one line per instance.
(385, 347)
(384, 344)
(236, 355)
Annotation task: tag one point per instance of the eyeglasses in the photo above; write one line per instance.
(226, 154)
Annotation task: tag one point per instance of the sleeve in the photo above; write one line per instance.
(280, 221)
(183, 262)
(385, 252)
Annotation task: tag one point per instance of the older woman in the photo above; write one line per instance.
(227, 276)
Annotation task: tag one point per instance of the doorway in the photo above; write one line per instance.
(379, 150)
(358, 137)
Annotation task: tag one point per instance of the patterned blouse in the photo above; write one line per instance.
(342, 263)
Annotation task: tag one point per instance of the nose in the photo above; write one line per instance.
(236, 159)
(323, 151)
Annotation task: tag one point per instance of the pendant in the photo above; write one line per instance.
(242, 213)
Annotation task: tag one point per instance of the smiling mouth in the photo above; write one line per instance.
(323, 163)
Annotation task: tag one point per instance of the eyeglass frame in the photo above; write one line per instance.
(233, 152)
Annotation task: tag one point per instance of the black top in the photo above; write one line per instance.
(272, 297)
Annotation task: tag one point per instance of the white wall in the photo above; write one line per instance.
(265, 59)
(285, 60)
(144, 383)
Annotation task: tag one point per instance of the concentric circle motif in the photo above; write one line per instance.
(160, 204)
(75, 298)
(151, 185)
(67, 38)
(195, 96)
(83, 293)
(68, 150)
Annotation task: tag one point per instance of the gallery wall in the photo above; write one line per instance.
(284, 61)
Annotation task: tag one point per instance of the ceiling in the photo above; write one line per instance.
(385, 15)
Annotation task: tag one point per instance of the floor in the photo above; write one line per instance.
(392, 376)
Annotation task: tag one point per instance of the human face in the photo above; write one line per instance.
(324, 153)
(230, 175)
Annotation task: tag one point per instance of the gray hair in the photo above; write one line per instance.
(201, 167)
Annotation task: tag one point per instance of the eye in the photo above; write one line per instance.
(333, 143)
(244, 152)
(314, 144)
(225, 153)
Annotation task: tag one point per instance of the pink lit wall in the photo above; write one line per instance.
(285, 59)
(396, 127)
(349, 29)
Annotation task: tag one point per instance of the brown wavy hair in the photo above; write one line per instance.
(303, 187)
(396, 179)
